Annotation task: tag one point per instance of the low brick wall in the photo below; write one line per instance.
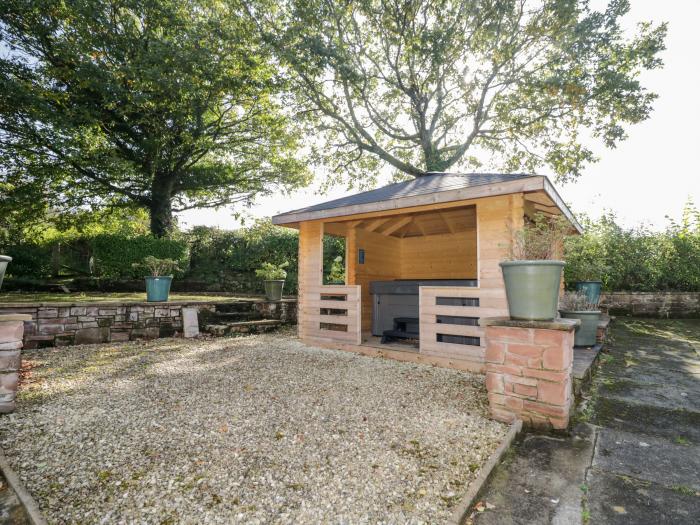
(529, 371)
(62, 324)
(652, 304)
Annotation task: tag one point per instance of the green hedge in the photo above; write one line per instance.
(637, 259)
(29, 260)
(114, 255)
(231, 257)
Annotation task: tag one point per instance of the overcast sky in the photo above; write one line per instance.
(648, 176)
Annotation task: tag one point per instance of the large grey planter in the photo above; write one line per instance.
(4, 260)
(273, 289)
(532, 288)
(588, 329)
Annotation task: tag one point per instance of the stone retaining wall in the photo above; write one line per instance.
(63, 324)
(652, 304)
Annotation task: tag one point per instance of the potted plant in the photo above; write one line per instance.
(158, 282)
(273, 276)
(4, 261)
(532, 273)
(589, 273)
(336, 275)
(575, 305)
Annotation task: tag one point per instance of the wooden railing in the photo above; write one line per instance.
(449, 320)
(332, 313)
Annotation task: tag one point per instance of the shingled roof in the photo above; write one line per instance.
(427, 189)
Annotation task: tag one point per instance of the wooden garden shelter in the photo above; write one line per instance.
(442, 233)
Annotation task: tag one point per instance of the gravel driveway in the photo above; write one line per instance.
(257, 429)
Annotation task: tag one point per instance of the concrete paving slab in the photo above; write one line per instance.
(649, 420)
(621, 500)
(680, 396)
(540, 481)
(11, 510)
(652, 375)
(647, 458)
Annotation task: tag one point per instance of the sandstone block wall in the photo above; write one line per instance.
(74, 324)
(652, 304)
(529, 375)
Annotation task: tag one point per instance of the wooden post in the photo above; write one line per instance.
(310, 268)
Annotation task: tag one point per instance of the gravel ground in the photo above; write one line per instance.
(256, 429)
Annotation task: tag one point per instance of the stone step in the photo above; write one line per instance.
(232, 317)
(242, 327)
(235, 306)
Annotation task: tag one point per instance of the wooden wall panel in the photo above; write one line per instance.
(382, 263)
(447, 256)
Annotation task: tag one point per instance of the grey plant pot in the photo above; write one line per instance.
(532, 288)
(586, 333)
(273, 290)
(4, 261)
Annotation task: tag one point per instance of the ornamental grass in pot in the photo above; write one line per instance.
(532, 273)
(160, 278)
(273, 276)
(575, 305)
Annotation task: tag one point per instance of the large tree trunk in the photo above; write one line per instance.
(161, 209)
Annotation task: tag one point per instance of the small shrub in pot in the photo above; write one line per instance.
(160, 278)
(273, 276)
(575, 305)
(532, 273)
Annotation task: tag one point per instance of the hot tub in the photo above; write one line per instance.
(399, 298)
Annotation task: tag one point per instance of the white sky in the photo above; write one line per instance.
(648, 176)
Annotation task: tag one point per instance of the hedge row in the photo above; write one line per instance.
(225, 259)
(105, 255)
(635, 259)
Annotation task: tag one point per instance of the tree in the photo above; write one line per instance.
(164, 105)
(438, 85)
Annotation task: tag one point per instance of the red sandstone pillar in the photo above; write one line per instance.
(529, 370)
(11, 333)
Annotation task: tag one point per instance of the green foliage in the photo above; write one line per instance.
(109, 255)
(637, 259)
(229, 258)
(158, 267)
(29, 260)
(159, 104)
(541, 238)
(272, 272)
(114, 255)
(337, 271)
(434, 85)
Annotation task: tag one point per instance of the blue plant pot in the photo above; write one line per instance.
(158, 288)
(591, 289)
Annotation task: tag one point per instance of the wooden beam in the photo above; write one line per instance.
(420, 228)
(376, 223)
(397, 225)
(539, 197)
(449, 224)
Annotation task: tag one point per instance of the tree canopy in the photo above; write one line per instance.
(445, 85)
(164, 105)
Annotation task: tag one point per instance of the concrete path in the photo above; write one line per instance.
(634, 455)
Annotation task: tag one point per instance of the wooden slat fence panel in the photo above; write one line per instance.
(447, 338)
(345, 328)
